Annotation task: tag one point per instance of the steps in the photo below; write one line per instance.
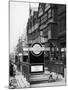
(39, 77)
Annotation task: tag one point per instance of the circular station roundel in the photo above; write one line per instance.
(36, 49)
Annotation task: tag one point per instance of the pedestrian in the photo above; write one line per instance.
(14, 69)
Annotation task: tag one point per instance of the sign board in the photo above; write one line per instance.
(36, 49)
(37, 68)
(36, 58)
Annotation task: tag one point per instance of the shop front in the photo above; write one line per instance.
(56, 55)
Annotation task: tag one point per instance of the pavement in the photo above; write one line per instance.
(19, 81)
(57, 83)
(55, 80)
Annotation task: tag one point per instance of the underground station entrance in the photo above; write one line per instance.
(33, 65)
(36, 60)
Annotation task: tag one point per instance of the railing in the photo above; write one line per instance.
(25, 70)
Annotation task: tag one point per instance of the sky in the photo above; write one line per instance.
(19, 14)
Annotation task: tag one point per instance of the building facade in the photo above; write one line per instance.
(61, 30)
(48, 24)
(48, 27)
(32, 29)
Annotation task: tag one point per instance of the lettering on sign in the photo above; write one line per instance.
(36, 68)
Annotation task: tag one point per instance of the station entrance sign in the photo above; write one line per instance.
(36, 58)
(36, 49)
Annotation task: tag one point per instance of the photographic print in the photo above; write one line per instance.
(37, 53)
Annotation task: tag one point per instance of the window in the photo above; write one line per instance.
(47, 6)
(46, 55)
(62, 25)
(25, 58)
(63, 55)
(44, 18)
(41, 33)
(49, 13)
(40, 11)
(45, 33)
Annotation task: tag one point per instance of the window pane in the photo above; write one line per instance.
(49, 13)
